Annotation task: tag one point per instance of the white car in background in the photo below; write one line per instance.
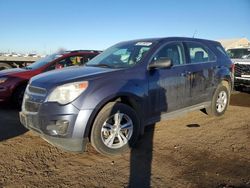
(241, 59)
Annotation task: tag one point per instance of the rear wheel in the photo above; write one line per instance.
(219, 101)
(115, 129)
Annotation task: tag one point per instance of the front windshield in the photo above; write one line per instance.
(241, 53)
(43, 61)
(123, 55)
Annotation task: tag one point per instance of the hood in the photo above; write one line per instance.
(8, 72)
(67, 75)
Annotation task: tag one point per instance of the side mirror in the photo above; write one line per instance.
(161, 64)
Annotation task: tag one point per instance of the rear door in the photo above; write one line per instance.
(201, 68)
(169, 87)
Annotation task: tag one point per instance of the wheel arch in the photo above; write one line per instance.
(129, 99)
(225, 78)
(225, 81)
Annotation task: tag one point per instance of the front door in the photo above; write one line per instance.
(168, 87)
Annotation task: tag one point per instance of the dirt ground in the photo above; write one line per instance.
(193, 150)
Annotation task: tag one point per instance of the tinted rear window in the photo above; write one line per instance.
(221, 50)
(199, 53)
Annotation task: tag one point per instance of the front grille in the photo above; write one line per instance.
(37, 90)
(31, 106)
(241, 69)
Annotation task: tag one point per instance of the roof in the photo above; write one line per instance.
(170, 38)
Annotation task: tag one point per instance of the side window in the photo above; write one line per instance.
(199, 53)
(173, 51)
(221, 49)
(87, 58)
(69, 61)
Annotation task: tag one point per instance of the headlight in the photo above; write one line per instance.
(67, 93)
(2, 80)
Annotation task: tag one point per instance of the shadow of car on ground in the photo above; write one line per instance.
(240, 99)
(10, 125)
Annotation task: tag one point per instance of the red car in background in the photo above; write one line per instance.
(14, 81)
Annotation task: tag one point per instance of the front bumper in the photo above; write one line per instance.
(242, 81)
(5, 94)
(72, 139)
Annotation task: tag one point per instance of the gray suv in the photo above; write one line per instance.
(132, 84)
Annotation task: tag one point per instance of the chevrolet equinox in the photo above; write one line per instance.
(132, 84)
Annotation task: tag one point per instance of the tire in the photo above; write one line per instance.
(4, 66)
(17, 97)
(106, 133)
(220, 101)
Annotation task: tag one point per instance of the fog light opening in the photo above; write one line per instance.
(58, 127)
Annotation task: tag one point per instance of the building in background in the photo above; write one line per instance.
(235, 43)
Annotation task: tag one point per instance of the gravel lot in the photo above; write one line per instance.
(193, 150)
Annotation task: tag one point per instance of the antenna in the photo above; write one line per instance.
(195, 31)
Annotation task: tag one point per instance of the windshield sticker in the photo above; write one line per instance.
(143, 43)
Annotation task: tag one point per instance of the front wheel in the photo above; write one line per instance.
(219, 102)
(115, 129)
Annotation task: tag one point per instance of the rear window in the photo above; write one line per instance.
(199, 53)
(221, 49)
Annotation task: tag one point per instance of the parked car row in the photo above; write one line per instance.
(110, 99)
(13, 54)
(14, 81)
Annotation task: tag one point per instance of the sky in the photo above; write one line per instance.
(44, 26)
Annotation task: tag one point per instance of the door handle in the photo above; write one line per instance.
(186, 73)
